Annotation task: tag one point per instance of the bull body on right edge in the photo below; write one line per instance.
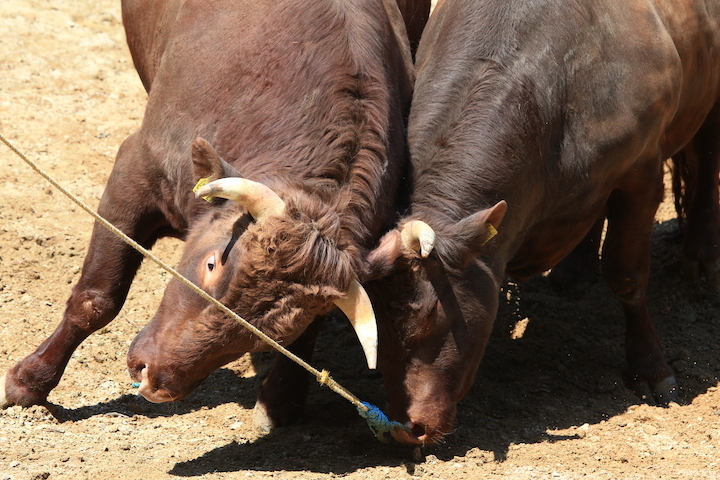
(536, 118)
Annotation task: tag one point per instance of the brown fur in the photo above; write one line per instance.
(308, 97)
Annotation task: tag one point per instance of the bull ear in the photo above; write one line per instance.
(469, 235)
(382, 261)
(207, 164)
(357, 308)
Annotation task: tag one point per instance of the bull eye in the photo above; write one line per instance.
(211, 263)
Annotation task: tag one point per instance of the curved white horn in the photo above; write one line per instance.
(259, 200)
(418, 236)
(357, 308)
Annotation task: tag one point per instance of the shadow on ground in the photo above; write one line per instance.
(554, 362)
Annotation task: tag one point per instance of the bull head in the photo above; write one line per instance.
(436, 297)
(261, 202)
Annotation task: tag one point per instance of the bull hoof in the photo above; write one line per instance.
(665, 391)
(262, 418)
(3, 395)
(659, 394)
(268, 416)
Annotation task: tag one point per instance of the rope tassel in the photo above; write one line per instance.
(379, 423)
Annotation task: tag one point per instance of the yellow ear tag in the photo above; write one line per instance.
(201, 183)
(492, 231)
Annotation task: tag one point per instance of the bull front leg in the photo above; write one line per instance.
(108, 270)
(281, 400)
(626, 267)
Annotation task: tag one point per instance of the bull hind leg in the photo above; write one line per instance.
(697, 169)
(626, 267)
(108, 270)
(281, 400)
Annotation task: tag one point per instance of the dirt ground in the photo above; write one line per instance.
(548, 402)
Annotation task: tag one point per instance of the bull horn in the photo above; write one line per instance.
(259, 200)
(357, 308)
(418, 236)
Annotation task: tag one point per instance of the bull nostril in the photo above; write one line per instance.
(418, 430)
(136, 370)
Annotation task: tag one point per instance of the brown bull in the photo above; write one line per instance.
(537, 118)
(306, 102)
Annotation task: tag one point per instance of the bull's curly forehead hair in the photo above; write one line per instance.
(305, 245)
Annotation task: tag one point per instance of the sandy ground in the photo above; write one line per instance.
(547, 404)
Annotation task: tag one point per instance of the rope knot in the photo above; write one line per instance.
(323, 377)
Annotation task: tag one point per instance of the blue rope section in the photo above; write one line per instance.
(378, 422)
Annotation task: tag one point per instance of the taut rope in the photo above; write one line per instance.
(378, 422)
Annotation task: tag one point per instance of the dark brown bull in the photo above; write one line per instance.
(305, 101)
(535, 118)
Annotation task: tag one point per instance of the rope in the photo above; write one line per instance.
(379, 424)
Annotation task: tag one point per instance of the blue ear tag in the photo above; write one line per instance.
(201, 183)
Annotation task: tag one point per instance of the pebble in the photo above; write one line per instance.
(651, 429)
